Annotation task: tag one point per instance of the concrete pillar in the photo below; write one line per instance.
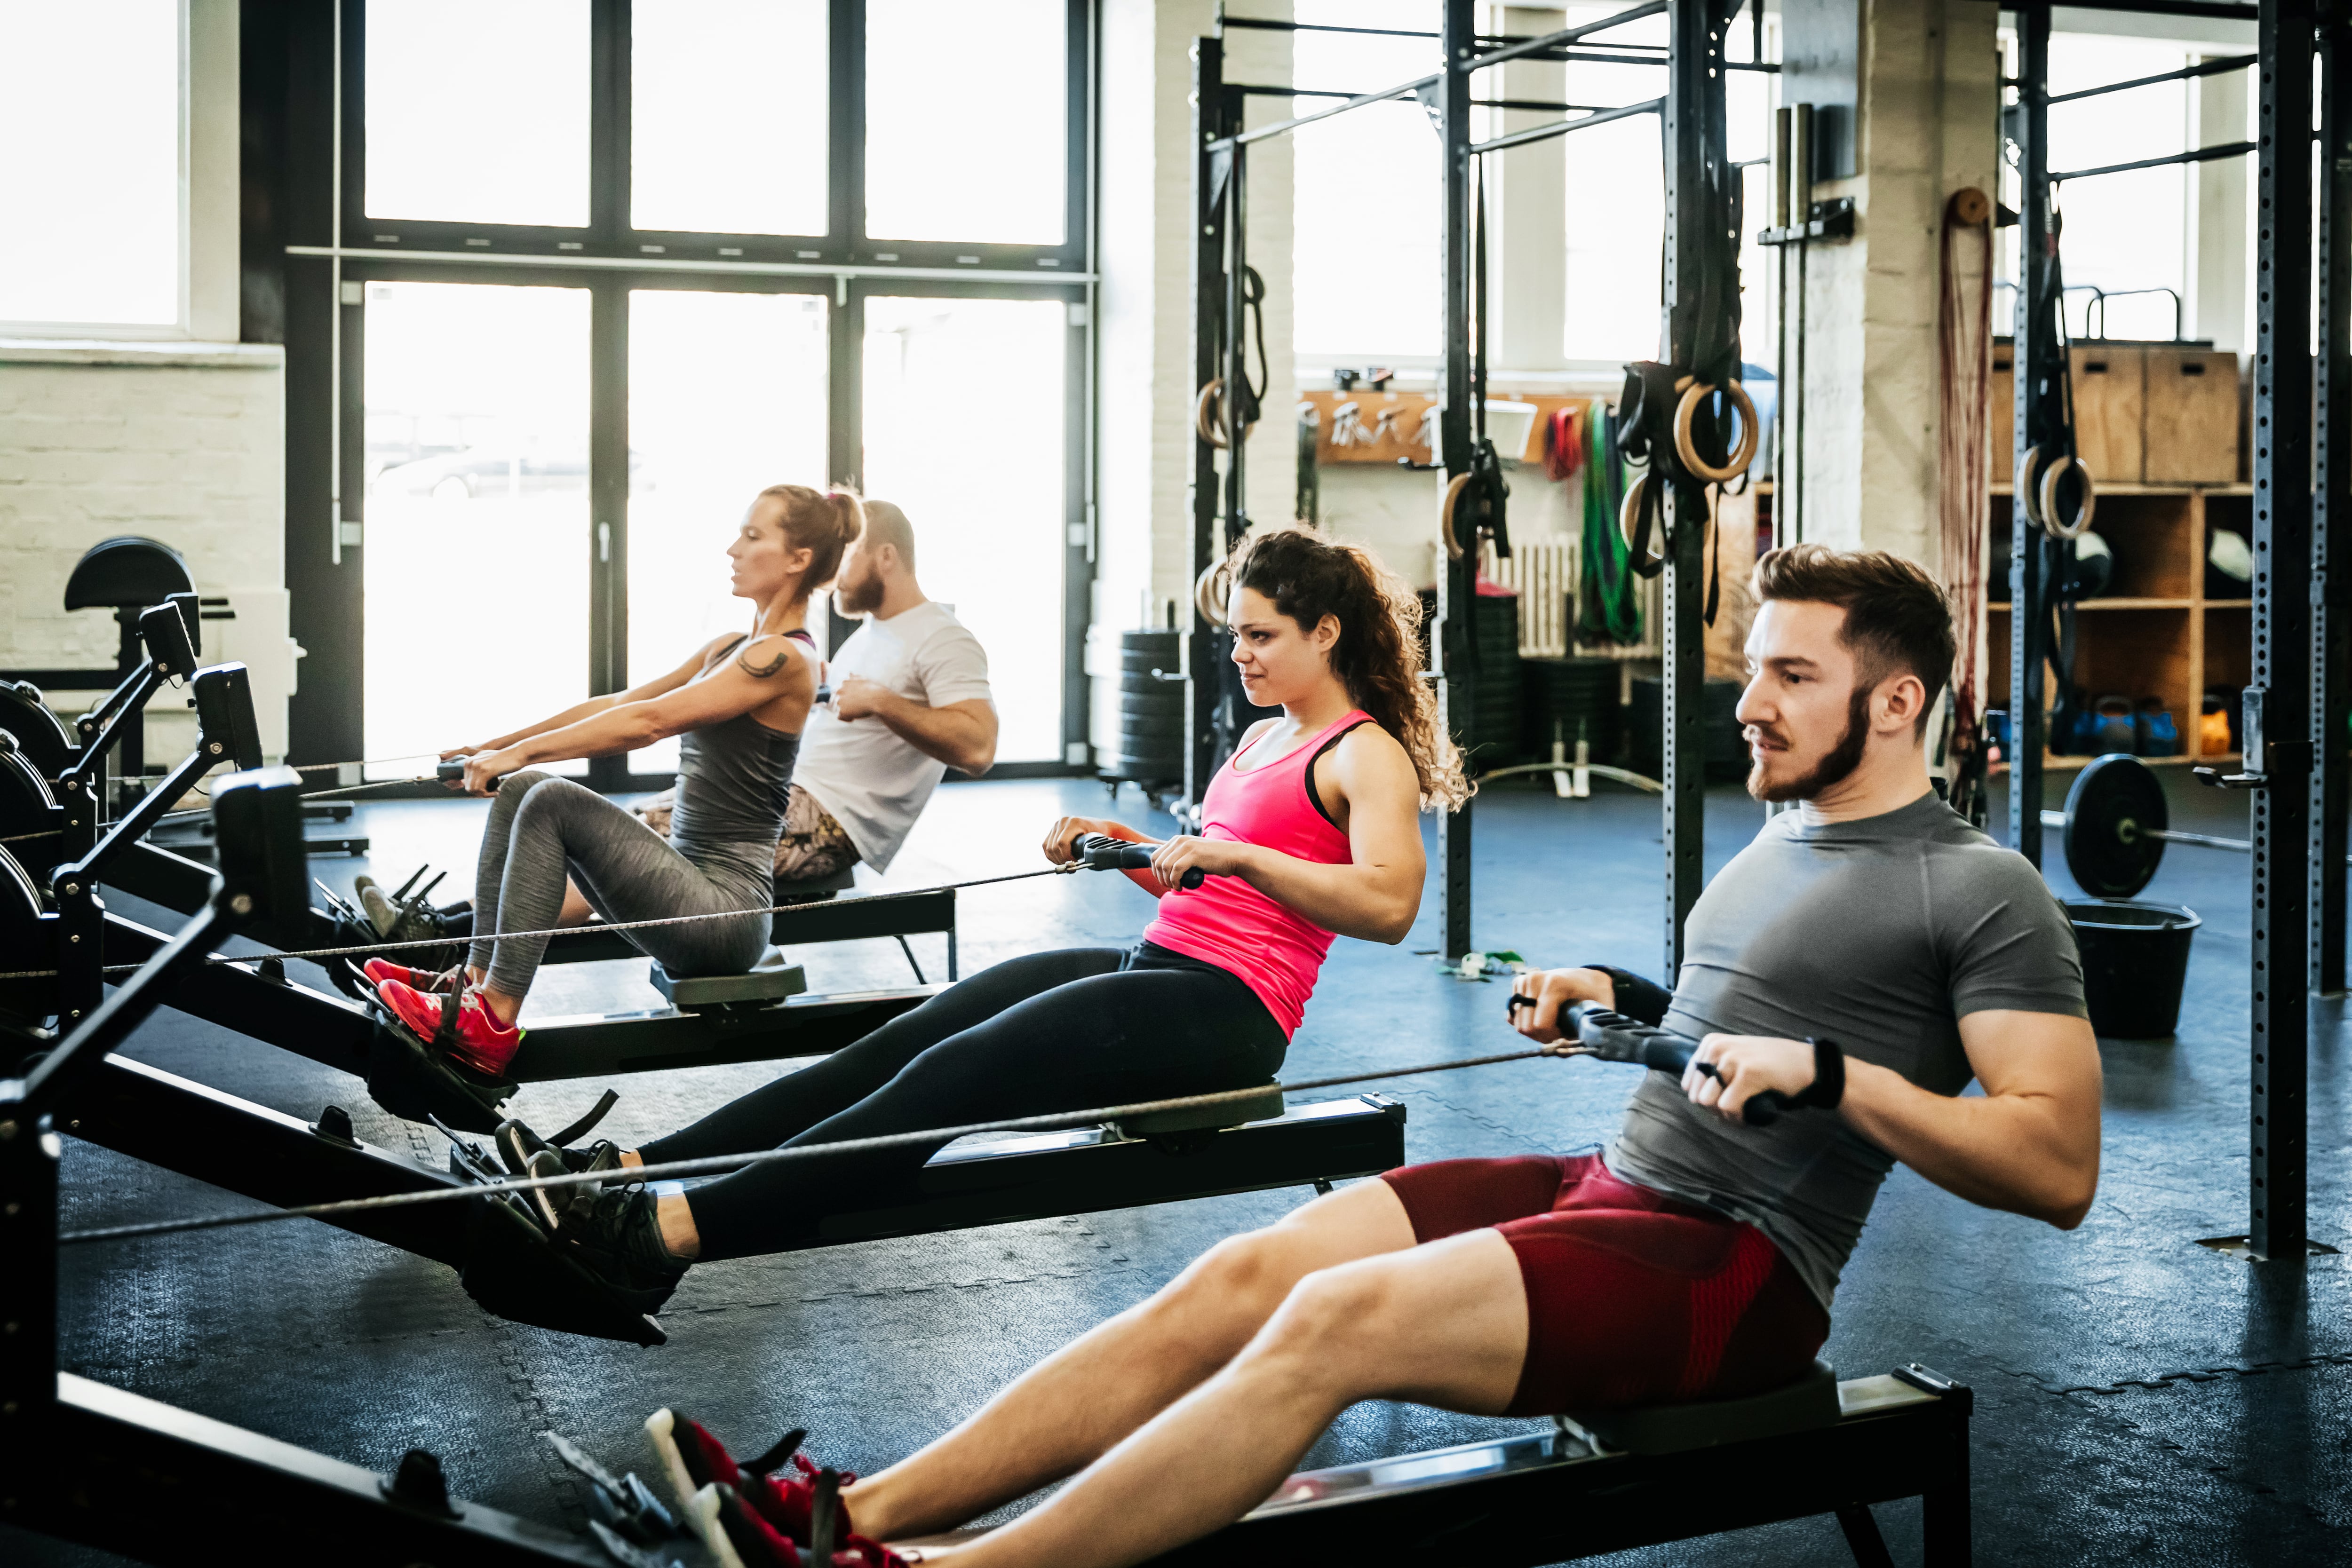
(1143, 343)
(2218, 303)
(1927, 109)
(1527, 211)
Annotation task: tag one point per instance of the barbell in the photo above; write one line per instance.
(2114, 827)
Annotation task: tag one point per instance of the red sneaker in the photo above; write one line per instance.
(694, 1460)
(457, 1022)
(738, 1536)
(379, 970)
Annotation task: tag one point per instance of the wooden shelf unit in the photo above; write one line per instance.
(2155, 633)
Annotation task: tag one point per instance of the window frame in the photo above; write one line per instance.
(608, 235)
(325, 330)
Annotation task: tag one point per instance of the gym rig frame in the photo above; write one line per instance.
(1695, 164)
(2298, 762)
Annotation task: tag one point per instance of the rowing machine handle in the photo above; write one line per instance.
(1613, 1036)
(1103, 852)
(454, 771)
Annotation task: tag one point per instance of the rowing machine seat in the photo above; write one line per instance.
(816, 887)
(1809, 1402)
(772, 979)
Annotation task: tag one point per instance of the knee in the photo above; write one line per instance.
(515, 786)
(1245, 1269)
(1342, 1304)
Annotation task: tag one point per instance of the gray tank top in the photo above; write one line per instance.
(732, 779)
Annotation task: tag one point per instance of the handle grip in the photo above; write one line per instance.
(1103, 852)
(454, 771)
(1613, 1036)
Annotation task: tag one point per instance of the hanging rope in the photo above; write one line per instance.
(1964, 329)
(712, 1164)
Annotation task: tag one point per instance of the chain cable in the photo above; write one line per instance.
(712, 1164)
(374, 948)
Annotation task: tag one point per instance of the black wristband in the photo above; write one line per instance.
(1828, 1086)
(1645, 1001)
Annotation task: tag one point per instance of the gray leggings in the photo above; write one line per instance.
(543, 829)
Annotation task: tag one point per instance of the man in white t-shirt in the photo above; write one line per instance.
(910, 700)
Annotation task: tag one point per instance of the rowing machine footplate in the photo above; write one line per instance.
(417, 1084)
(515, 1272)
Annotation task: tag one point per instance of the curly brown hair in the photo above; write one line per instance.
(1378, 656)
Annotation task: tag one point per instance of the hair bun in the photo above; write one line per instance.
(848, 512)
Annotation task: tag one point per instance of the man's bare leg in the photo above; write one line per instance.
(1445, 1324)
(1067, 1411)
(575, 910)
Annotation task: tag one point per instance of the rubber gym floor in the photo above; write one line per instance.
(2140, 1398)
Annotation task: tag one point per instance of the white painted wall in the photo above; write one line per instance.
(1925, 126)
(1144, 341)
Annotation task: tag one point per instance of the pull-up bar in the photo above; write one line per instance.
(2197, 155)
(2203, 68)
(1562, 128)
(1476, 63)
(1565, 35)
(1262, 90)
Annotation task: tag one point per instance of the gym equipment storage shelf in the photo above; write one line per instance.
(2153, 633)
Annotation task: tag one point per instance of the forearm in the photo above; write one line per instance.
(606, 732)
(564, 720)
(1374, 903)
(2013, 1151)
(942, 735)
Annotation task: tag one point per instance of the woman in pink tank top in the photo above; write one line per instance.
(1309, 830)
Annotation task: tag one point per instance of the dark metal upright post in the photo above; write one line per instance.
(2331, 650)
(1694, 153)
(1457, 601)
(1208, 353)
(2278, 704)
(2040, 361)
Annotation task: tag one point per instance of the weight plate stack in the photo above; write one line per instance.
(1495, 721)
(1575, 695)
(1150, 748)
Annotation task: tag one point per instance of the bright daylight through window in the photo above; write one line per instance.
(91, 113)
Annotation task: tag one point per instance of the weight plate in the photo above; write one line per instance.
(2113, 814)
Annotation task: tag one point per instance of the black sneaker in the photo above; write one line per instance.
(517, 1143)
(614, 1232)
(553, 1205)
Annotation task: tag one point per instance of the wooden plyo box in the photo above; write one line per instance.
(2192, 416)
(2110, 409)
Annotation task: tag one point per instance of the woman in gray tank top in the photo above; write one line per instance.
(738, 706)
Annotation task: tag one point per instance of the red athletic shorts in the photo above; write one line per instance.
(1632, 1297)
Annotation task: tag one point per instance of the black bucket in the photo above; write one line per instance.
(2135, 963)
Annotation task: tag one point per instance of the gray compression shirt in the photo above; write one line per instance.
(732, 781)
(1879, 935)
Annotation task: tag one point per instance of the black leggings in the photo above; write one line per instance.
(1055, 1031)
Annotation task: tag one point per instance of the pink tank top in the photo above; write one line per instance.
(1226, 922)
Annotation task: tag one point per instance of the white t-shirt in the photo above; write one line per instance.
(875, 783)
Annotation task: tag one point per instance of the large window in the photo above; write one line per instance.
(92, 114)
(606, 270)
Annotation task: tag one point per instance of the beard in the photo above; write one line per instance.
(1833, 768)
(860, 596)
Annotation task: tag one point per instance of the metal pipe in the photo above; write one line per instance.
(1545, 133)
(1565, 35)
(2203, 68)
(1283, 127)
(2199, 155)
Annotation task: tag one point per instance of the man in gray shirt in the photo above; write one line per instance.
(1866, 956)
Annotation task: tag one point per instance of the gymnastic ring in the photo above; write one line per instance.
(1206, 599)
(2048, 494)
(1629, 516)
(1453, 488)
(1687, 408)
(1208, 414)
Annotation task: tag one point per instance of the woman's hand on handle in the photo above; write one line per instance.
(1553, 989)
(1211, 857)
(485, 769)
(1062, 838)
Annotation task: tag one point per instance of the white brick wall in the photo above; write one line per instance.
(182, 441)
